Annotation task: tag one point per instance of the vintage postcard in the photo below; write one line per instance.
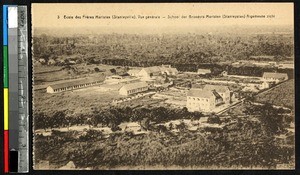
(145, 86)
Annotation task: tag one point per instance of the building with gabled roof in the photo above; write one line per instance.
(274, 76)
(74, 84)
(203, 100)
(207, 98)
(223, 91)
(134, 72)
(133, 88)
(149, 72)
(169, 70)
(153, 70)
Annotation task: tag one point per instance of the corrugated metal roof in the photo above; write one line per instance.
(131, 86)
(76, 82)
(275, 75)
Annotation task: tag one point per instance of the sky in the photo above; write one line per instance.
(52, 15)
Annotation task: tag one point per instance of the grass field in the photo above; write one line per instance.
(76, 101)
(49, 73)
(281, 95)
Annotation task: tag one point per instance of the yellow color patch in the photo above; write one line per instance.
(5, 108)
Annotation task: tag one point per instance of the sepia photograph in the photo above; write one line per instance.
(163, 86)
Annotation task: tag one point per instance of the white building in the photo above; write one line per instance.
(133, 88)
(203, 71)
(116, 79)
(274, 77)
(150, 72)
(208, 98)
(264, 85)
(224, 73)
(75, 84)
(202, 100)
(42, 60)
(51, 62)
(134, 72)
(167, 69)
(222, 90)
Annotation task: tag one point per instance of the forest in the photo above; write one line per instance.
(180, 49)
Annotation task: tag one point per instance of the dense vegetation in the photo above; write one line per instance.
(188, 48)
(146, 50)
(245, 143)
(112, 117)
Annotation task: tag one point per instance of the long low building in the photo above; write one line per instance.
(203, 71)
(274, 76)
(133, 88)
(75, 84)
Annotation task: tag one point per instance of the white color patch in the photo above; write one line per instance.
(12, 17)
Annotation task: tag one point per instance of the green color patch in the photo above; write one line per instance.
(5, 66)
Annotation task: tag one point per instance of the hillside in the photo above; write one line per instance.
(281, 95)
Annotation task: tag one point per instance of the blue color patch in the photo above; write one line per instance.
(5, 25)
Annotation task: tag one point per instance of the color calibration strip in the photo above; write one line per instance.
(13, 121)
(5, 86)
(15, 77)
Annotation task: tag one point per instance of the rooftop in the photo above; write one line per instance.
(204, 70)
(135, 85)
(274, 75)
(76, 82)
(217, 88)
(200, 93)
(133, 71)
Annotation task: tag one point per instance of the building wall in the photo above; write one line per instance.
(275, 79)
(202, 72)
(134, 74)
(200, 104)
(62, 89)
(50, 90)
(144, 74)
(225, 96)
(170, 72)
(123, 91)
